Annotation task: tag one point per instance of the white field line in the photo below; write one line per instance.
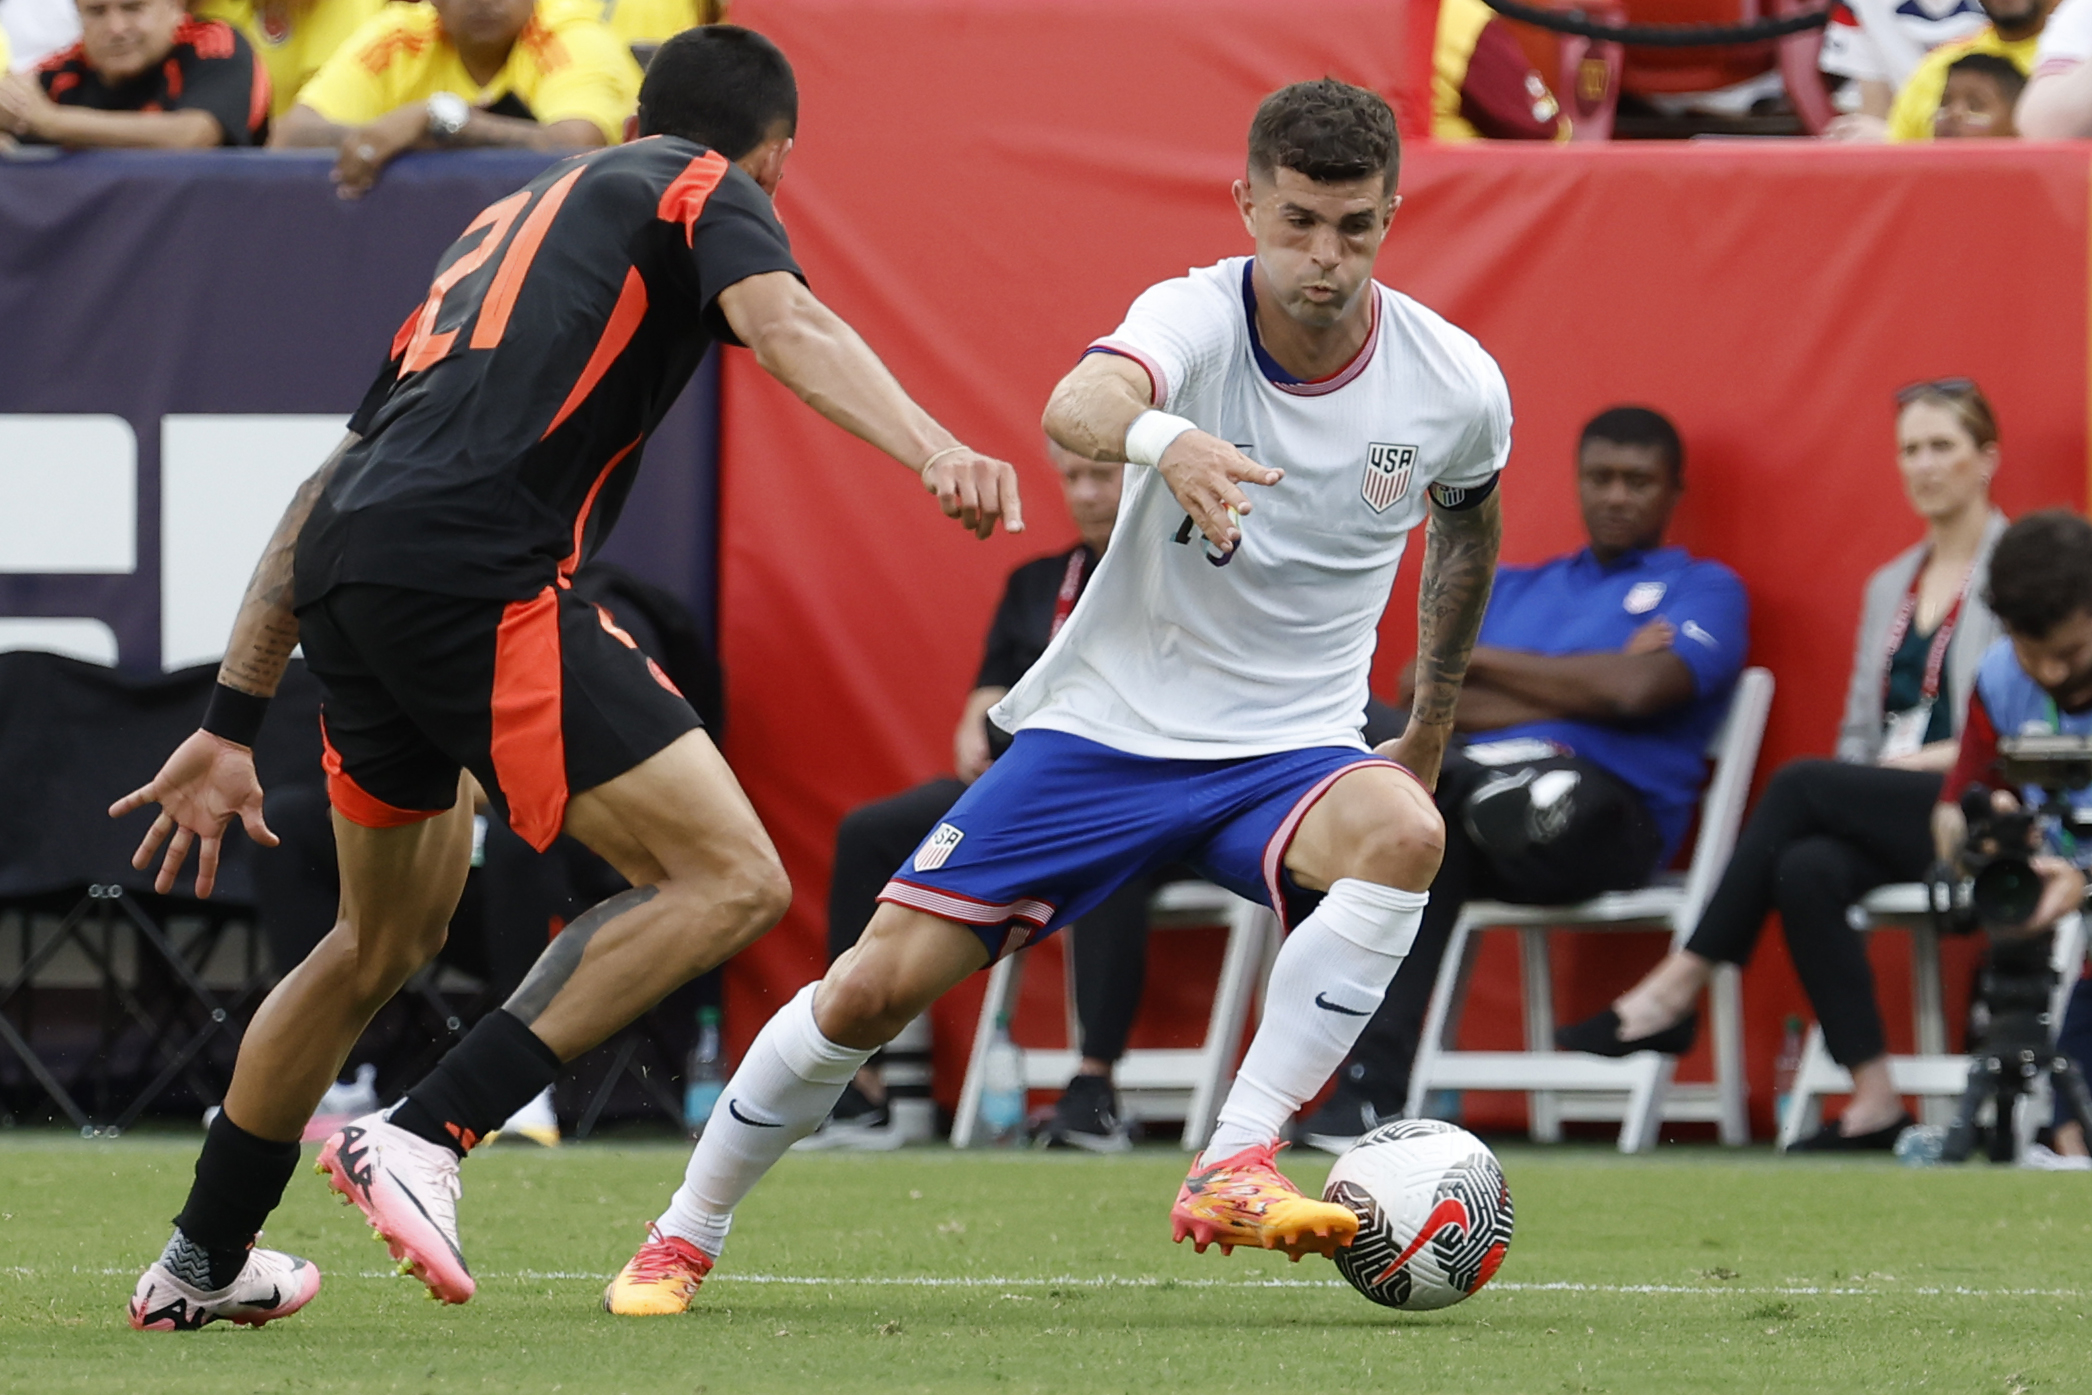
(1152, 1281)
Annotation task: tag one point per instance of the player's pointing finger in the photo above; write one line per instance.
(1012, 502)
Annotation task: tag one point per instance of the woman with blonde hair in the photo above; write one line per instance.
(1828, 831)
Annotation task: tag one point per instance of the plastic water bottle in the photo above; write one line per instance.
(1785, 1067)
(1920, 1145)
(705, 1080)
(1002, 1093)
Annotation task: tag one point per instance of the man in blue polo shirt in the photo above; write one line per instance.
(1599, 680)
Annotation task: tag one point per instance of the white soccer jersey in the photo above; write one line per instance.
(1885, 40)
(1168, 655)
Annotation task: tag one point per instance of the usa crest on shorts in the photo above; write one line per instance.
(1388, 469)
(937, 848)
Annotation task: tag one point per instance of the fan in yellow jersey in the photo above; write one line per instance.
(292, 38)
(543, 76)
(651, 23)
(2013, 34)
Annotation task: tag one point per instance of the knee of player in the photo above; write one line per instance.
(379, 960)
(859, 1004)
(1401, 850)
(754, 885)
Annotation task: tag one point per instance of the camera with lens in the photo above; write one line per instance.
(1998, 892)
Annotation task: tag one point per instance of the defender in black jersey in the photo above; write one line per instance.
(426, 570)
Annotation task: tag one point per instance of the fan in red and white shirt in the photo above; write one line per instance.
(146, 74)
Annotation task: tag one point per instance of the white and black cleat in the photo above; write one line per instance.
(271, 1285)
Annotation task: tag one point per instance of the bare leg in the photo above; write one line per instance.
(2070, 1140)
(399, 887)
(1875, 1103)
(706, 883)
(1664, 996)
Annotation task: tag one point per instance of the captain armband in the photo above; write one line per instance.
(1454, 498)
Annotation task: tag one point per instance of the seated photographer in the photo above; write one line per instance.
(2035, 681)
(1589, 702)
(1827, 832)
(1110, 943)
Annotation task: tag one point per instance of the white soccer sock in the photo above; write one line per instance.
(1328, 981)
(790, 1079)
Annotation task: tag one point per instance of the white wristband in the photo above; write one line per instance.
(1151, 434)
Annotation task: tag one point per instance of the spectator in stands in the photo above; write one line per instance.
(1110, 943)
(458, 73)
(292, 37)
(2036, 680)
(1877, 44)
(1598, 682)
(1827, 832)
(34, 30)
(2057, 104)
(1482, 85)
(2013, 34)
(143, 74)
(647, 24)
(1982, 89)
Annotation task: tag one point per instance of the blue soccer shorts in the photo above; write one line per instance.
(1060, 822)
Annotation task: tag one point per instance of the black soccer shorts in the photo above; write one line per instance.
(538, 698)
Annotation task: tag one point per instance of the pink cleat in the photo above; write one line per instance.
(408, 1188)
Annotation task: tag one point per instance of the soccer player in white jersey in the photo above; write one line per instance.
(1203, 703)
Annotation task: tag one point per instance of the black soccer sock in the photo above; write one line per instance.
(239, 1181)
(499, 1067)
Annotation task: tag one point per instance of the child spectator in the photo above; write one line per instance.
(2013, 34)
(1981, 91)
(143, 74)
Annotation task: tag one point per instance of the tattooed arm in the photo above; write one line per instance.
(266, 630)
(1459, 568)
(209, 781)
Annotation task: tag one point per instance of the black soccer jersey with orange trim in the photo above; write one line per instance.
(209, 69)
(501, 439)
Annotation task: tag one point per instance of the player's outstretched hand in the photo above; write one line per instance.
(205, 785)
(977, 490)
(1206, 475)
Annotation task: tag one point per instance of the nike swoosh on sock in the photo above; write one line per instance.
(735, 1110)
(1328, 1006)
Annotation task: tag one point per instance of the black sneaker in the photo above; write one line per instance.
(1345, 1115)
(1087, 1117)
(855, 1124)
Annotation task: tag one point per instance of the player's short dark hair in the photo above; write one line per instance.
(2041, 573)
(2002, 71)
(722, 86)
(1638, 426)
(1327, 130)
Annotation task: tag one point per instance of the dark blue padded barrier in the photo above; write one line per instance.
(147, 284)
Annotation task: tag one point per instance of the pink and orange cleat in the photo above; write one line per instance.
(407, 1188)
(661, 1279)
(1246, 1200)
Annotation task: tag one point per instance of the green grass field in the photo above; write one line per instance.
(1701, 1270)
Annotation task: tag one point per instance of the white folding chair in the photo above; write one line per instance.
(1636, 1090)
(1152, 1084)
(1936, 1077)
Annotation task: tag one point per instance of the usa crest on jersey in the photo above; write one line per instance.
(1388, 469)
(937, 848)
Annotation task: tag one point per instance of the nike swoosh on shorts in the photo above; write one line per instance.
(1327, 1006)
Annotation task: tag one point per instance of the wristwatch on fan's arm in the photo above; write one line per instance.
(448, 113)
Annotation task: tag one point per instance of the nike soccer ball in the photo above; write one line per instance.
(1434, 1214)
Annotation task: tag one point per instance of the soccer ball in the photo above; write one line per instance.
(1434, 1214)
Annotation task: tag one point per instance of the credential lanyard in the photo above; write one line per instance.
(1936, 657)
